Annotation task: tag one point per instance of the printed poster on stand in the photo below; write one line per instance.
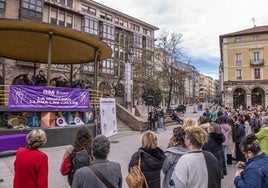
(108, 117)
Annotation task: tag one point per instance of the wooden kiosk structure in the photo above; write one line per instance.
(49, 44)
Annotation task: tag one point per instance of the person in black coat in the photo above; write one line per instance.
(152, 159)
(214, 145)
(40, 79)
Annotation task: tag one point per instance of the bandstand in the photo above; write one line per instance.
(48, 44)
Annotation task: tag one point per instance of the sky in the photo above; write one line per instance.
(200, 22)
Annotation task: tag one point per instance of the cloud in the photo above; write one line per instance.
(201, 22)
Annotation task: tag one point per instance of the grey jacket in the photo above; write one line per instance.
(84, 177)
(172, 156)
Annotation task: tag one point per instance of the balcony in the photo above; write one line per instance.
(255, 63)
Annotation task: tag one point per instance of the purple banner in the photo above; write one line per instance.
(47, 98)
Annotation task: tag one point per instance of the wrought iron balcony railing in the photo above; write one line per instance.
(256, 63)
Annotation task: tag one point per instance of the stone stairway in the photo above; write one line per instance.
(122, 130)
(122, 127)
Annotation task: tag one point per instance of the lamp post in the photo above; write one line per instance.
(129, 81)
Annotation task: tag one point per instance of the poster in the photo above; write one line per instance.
(108, 117)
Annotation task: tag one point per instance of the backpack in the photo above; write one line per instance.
(81, 159)
(136, 178)
(172, 167)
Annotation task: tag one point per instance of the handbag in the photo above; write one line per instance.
(101, 177)
(136, 178)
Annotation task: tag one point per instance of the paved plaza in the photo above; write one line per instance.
(123, 145)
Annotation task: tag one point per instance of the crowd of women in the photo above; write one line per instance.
(197, 155)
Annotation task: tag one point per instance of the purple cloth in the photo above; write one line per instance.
(12, 141)
(47, 98)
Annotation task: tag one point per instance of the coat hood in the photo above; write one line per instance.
(153, 158)
(177, 150)
(218, 137)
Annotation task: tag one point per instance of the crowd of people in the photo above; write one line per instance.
(40, 80)
(197, 155)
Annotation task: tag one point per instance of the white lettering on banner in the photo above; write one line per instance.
(48, 92)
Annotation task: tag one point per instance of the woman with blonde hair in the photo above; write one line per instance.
(197, 168)
(31, 164)
(152, 158)
(189, 122)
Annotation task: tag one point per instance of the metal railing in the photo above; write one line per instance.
(4, 95)
(94, 96)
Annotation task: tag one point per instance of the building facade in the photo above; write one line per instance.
(207, 89)
(131, 40)
(244, 61)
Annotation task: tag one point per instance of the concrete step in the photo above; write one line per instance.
(122, 127)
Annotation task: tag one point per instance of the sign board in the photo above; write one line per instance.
(108, 116)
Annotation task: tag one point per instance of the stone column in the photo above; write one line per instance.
(248, 100)
(265, 100)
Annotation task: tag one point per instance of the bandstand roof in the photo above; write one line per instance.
(29, 41)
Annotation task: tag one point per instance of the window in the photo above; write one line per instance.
(146, 32)
(116, 20)
(53, 16)
(257, 73)
(35, 5)
(2, 8)
(109, 17)
(2, 4)
(108, 32)
(85, 8)
(69, 21)
(237, 40)
(116, 51)
(61, 18)
(125, 24)
(256, 57)
(255, 38)
(108, 66)
(70, 3)
(102, 15)
(62, 2)
(92, 11)
(238, 74)
(134, 27)
(149, 44)
(91, 26)
(106, 16)
(238, 59)
(121, 22)
(137, 42)
(88, 10)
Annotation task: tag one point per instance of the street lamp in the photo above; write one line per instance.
(129, 80)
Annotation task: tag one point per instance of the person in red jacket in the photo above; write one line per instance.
(31, 164)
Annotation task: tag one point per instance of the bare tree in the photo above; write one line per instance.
(171, 45)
